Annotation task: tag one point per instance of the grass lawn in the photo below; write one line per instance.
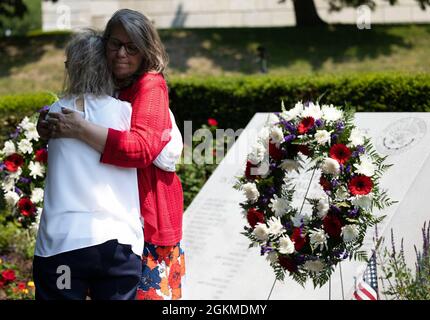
(35, 63)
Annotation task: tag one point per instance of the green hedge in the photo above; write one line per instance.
(14, 107)
(234, 100)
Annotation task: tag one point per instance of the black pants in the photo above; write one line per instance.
(109, 271)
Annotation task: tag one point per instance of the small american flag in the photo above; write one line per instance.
(366, 288)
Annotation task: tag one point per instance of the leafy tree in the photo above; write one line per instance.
(14, 8)
(307, 15)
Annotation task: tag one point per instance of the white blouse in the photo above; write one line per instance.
(86, 202)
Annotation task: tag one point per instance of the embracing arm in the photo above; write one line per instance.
(69, 124)
(150, 128)
(93, 135)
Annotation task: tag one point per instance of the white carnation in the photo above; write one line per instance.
(272, 257)
(314, 265)
(350, 232)
(290, 165)
(25, 146)
(363, 201)
(261, 232)
(26, 124)
(365, 167)
(318, 238)
(293, 113)
(275, 226)
(297, 219)
(37, 195)
(8, 184)
(286, 246)
(279, 205)
(9, 148)
(322, 208)
(277, 135)
(36, 169)
(257, 153)
(330, 166)
(263, 136)
(32, 134)
(322, 137)
(313, 110)
(356, 138)
(341, 194)
(330, 113)
(272, 119)
(15, 175)
(11, 198)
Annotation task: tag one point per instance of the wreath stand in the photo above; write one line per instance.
(340, 263)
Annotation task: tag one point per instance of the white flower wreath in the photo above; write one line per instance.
(308, 245)
(23, 163)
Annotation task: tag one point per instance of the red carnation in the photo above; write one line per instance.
(249, 167)
(288, 263)
(304, 149)
(332, 225)
(306, 124)
(41, 155)
(26, 206)
(8, 275)
(13, 162)
(340, 152)
(297, 238)
(360, 185)
(212, 122)
(325, 184)
(275, 152)
(254, 217)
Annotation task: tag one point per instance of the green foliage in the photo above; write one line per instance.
(23, 16)
(15, 239)
(194, 175)
(13, 108)
(233, 101)
(403, 283)
(14, 284)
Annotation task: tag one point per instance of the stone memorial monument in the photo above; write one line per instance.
(221, 266)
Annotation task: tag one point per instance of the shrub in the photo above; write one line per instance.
(234, 100)
(13, 108)
(403, 283)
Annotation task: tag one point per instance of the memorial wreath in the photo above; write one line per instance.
(23, 162)
(308, 245)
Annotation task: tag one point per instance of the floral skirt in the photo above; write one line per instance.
(162, 272)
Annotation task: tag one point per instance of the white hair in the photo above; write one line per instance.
(86, 66)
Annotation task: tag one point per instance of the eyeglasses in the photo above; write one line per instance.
(115, 45)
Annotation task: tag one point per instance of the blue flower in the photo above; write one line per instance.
(289, 138)
(319, 123)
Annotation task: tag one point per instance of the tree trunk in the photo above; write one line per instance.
(306, 13)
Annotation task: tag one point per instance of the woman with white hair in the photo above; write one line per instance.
(90, 237)
(137, 60)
